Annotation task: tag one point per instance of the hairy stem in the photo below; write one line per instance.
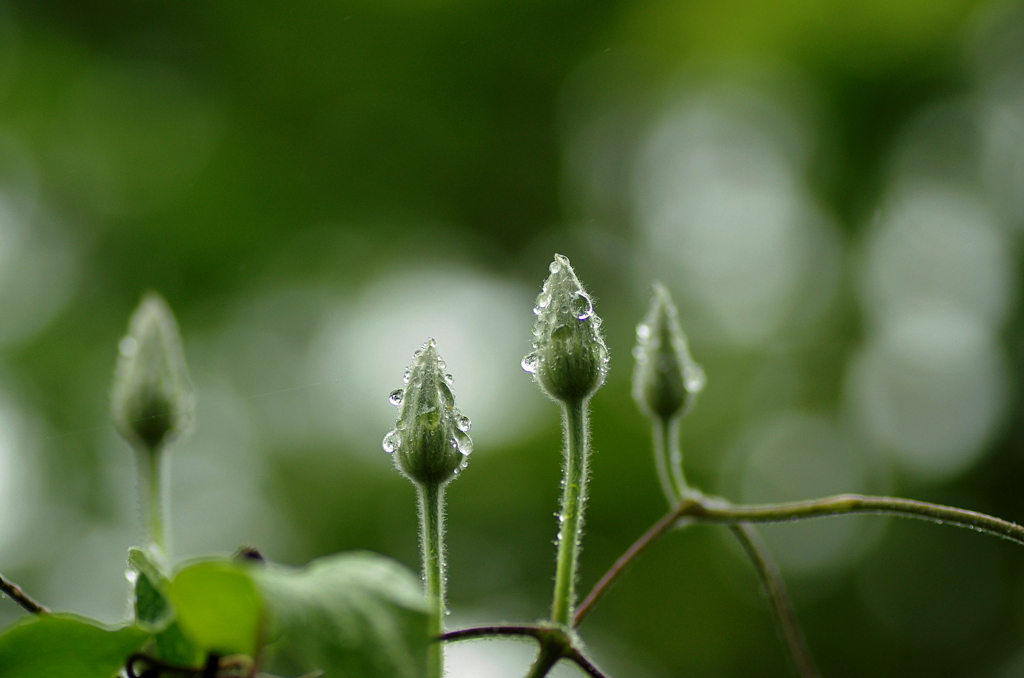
(662, 436)
(706, 510)
(431, 498)
(14, 592)
(574, 496)
(554, 643)
(775, 589)
(670, 434)
(152, 499)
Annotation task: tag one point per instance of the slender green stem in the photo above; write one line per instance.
(778, 599)
(152, 497)
(431, 499)
(670, 433)
(14, 592)
(662, 436)
(574, 496)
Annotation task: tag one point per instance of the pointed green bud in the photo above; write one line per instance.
(152, 400)
(430, 440)
(570, 359)
(666, 379)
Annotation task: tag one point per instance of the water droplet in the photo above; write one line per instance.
(446, 394)
(396, 397)
(530, 363)
(694, 379)
(392, 441)
(405, 377)
(463, 423)
(556, 265)
(464, 443)
(643, 332)
(581, 306)
(128, 346)
(441, 365)
(131, 575)
(449, 379)
(401, 425)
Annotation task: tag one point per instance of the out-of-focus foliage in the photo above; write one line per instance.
(830, 190)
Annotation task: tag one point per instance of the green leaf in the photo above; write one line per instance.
(217, 607)
(357, 615)
(154, 612)
(60, 646)
(151, 607)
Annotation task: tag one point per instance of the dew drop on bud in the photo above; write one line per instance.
(463, 423)
(396, 397)
(131, 575)
(405, 377)
(555, 266)
(447, 396)
(449, 379)
(581, 306)
(464, 443)
(643, 332)
(530, 363)
(694, 379)
(392, 441)
(128, 346)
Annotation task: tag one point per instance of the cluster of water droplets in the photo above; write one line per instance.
(460, 439)
(553, 319)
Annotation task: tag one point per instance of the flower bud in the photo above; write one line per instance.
(570, 358)
(152, 400)
(666, 379)
(430, 440)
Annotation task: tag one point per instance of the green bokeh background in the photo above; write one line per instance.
(225, 153)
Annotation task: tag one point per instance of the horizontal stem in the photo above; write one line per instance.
(493, 631)
(555, 644)
(14, 592)
(709, 510)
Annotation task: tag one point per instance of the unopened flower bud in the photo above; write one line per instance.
(570, 358)
(152, 399)
(430, 440)
(666, 379)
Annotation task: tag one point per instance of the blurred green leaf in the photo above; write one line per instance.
(59, 646)
(358, 615)
(154, 612)
(217, 607)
